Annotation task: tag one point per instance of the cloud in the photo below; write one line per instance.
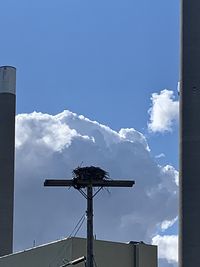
(165, 263)
(50, 146)
(162, 155)
(164, 111)
(167, 224)
(167, 247)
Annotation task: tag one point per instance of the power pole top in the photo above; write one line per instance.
(87, 178)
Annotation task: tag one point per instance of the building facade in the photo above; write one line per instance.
(106, 254)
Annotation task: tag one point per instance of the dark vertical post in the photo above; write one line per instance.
(189, 216)
(89, 226)
(7, 148)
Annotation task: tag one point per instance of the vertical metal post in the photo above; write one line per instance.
(189, 215)
(89, 226)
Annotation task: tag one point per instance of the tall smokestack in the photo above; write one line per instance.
(189, 236)
(7, 148)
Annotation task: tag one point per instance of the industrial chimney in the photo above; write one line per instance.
(189, 216)
(7, 149)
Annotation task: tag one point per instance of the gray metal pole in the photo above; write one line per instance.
(89, 226)
(189, 216)
(7, 148)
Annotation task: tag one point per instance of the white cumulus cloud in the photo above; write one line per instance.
(50, 146)
(164, 111)
(167, 247)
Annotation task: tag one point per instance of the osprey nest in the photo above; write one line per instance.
(90, 173)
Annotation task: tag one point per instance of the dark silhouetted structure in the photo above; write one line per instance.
(189, 216)
(7, 149)
(89, 177)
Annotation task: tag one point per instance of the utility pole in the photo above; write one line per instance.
(89, 226)
(88, 178)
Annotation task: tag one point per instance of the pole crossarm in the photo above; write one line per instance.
(53, 182)
(84, 183)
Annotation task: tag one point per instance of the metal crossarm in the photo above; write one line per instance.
(53, 182)
(85, 183)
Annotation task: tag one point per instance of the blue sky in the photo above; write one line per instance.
(102, 59)
(112, 53)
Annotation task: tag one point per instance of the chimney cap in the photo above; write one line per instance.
(7, 79)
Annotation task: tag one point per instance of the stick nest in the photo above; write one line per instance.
(90, 173)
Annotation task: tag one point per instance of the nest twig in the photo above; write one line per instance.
(90, 173)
